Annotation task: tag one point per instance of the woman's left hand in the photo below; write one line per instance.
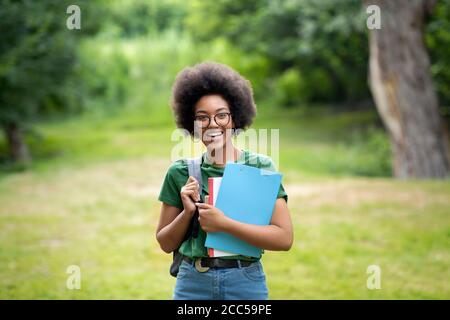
(211, 218)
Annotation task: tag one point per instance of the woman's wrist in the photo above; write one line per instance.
(188, 213)
(228, 225)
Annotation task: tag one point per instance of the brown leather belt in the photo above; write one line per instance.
(206, 263)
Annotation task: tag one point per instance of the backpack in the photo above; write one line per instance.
(195, 171)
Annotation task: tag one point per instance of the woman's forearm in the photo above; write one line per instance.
(171, 236)
(269, 237)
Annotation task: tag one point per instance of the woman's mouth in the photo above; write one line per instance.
(213, 135)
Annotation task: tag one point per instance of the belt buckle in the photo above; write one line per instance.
(198, 265)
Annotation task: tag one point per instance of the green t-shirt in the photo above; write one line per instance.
(176, 178)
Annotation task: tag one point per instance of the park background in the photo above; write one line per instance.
(87, 125)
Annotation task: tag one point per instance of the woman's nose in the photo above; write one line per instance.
(213, 123)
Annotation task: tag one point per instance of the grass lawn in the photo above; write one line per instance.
(90, 200)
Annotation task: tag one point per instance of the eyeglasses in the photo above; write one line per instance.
(222, 119)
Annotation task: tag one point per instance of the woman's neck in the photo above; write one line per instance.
(219, 157)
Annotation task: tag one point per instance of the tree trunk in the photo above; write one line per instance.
(403, 90)
(17, 147)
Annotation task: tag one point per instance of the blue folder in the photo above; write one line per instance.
(246, 194)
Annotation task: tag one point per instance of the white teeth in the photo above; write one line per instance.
(214, 134)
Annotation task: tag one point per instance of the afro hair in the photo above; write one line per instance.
(208, 78)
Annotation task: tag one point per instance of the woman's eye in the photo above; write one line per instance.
(222, 115)
(201, 118)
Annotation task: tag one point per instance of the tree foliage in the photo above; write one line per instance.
(321, 45)
(325, 43)
(37, 57)
(438, 42)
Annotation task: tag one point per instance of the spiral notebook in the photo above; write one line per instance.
(247, 194)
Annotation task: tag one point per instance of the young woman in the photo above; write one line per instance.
(212, 101)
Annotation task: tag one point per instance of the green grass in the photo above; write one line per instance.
(89, 199)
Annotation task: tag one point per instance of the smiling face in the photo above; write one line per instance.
(217, 133)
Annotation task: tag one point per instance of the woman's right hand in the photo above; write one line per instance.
(190, 194)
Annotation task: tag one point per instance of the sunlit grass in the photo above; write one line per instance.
(103, 217)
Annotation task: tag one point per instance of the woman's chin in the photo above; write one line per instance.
(215, 144)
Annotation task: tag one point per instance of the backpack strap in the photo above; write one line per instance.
(194, 169)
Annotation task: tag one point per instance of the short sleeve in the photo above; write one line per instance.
(268, 164)
(170, 189)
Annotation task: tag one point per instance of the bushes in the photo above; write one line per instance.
(139, 72)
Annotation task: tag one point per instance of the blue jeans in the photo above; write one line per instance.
(243, 283)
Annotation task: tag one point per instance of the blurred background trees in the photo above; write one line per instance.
(300, 54)
(404, 92)
(320, 47)
(38, 61)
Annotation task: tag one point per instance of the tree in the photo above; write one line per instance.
(324, 41)
(403, 90)
(37, 56)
